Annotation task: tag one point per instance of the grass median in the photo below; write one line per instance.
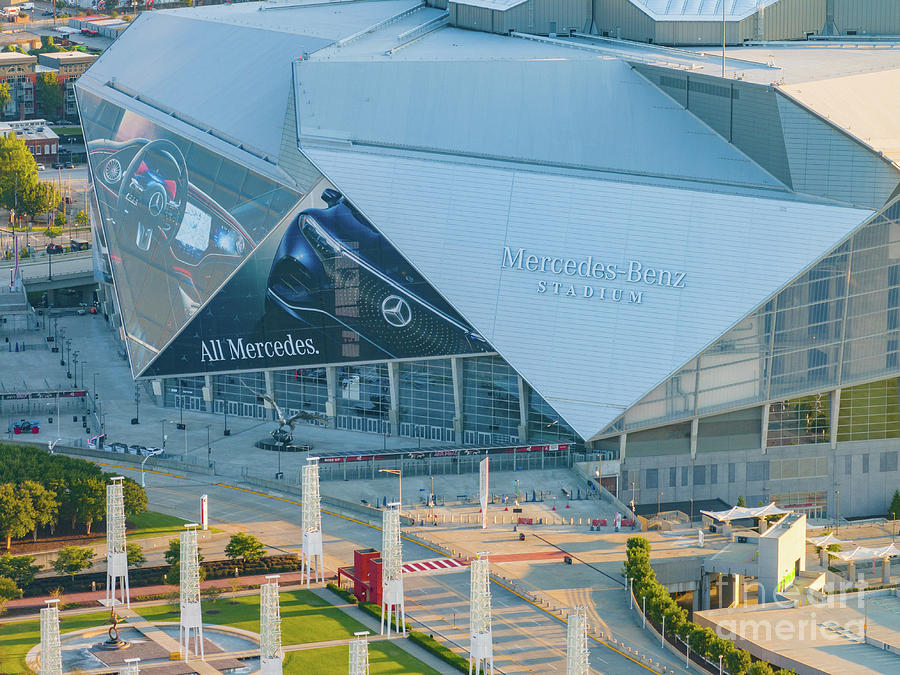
(153, 524)
(17, 638)
(305, 617)
(384, 659)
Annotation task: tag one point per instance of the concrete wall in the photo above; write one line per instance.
(540, 17)
(785, 20)
(867, 16)
(779, 550)
(545, 16)
(861, 493)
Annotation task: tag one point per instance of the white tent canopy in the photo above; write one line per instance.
(739, 512)
(827, 540)
(866, 553)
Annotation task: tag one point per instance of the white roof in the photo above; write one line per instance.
(866, 553)
(609, 353)
(826, 540)
(741, 512)
(500, 5)
(700, 10)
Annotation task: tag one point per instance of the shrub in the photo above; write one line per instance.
(440, 651)
(245, 546)
(345, 594)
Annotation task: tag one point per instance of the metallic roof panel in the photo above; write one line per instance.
(589, 355)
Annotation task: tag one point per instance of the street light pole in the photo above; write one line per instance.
(399, 474)
(154, 452)
(209, 447)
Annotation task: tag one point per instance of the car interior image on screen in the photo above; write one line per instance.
(178, 218)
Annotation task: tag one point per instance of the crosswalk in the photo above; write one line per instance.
(436, 565)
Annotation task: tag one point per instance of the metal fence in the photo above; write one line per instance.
(368, 469)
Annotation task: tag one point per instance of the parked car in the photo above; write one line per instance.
(55, 249)
(41, 167)
(58, 165)
(118, 447)
(25, 426)
(136, 449)
(47, 12)
(79, 245)
(69, 165)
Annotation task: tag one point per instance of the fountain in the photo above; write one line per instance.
(113, 643)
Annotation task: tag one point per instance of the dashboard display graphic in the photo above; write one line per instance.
(324, 288)
(178, 219)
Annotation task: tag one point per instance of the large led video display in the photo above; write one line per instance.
(178, 219)
(324, 287)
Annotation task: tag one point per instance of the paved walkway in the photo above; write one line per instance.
(287, 578)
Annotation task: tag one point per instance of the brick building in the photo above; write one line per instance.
(41, 140)
(68, 66)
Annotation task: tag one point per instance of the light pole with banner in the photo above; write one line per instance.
(484, 487)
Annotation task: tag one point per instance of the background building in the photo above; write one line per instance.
(41, 140)
(420, 230)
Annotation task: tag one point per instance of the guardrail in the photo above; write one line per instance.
(190, 466)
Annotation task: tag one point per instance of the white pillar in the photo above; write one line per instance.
(270, 652)
(51, 653)
(116, 554)
(191, 621)
(392, 602)
(311, 557)
(359, 654)
(481, 645)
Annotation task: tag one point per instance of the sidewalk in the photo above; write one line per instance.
(287, 578)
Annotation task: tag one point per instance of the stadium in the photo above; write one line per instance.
(416, 220)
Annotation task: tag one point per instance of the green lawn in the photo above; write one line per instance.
(305, 617)
(384, 657)
(153, 524)
(17, 639)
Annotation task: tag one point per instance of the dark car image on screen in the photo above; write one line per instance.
(333, 268)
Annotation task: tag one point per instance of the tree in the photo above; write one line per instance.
(9, 590)
(89, 500)
(173, 555)
(19, 568)
(73, 559)
(894, 508)
(39, 198)
(5, 96)
(760, 668)
(48, 94)
(18, 171)
(81, 219)
(135, 554)
(60, 219)
(737, 661)
(741, 501)
(16, 513)
(43, 502)
(134, 498)
(246, 546)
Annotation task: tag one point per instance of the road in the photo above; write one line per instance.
(527, 639)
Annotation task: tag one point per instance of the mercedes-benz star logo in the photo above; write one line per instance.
(156, 203)
(396, 311)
